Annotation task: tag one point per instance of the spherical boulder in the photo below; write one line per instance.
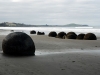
(18, 43)
(33, 32)
(80, 36)
(90, 36)
(61, 35)
(71, 33)
(70, 36)
(52, 34)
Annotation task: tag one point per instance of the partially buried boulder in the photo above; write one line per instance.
(90, 36)
(52, 34)
(40, 33)
(18, 43)
(61, 35)
(33, 32)
(71, 33)
(80, 36)
(70, 36)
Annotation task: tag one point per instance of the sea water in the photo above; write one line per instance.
(46, 30)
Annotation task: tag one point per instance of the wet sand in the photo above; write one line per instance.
(54, 56)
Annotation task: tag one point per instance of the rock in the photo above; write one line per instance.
(80, 36)
(40, 33)
(18, 43)
(61, 35)
(33, 32)
(90, 36)
(70, 36)
(52, 34)
(71, 33)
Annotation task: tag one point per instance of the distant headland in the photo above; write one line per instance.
(12, 24)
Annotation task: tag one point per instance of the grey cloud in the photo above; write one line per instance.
(51, 11)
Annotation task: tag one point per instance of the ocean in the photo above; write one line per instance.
(77, 30)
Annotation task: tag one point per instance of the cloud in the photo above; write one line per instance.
(16, 0)
(50, 11)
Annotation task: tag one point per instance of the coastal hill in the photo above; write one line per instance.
(12, 24)
(73, 24)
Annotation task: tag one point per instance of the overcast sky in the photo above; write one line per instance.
(54, 12)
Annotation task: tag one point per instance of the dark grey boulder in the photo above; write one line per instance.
(72, 33)
(52, 34)
(33, 32)
(40, 33)
(18, 43)
(80, 36)
(70, 36)
(90, 36)
(61, 35)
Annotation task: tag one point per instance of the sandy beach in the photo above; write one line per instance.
(54, 56)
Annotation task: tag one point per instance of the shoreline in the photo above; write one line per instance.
(46, 30)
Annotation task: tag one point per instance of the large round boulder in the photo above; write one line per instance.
(71, 33)
(18, 43)
(33, 32)
(52, 34)
(80, 36)
(90, 36)
(61, 35)
(70, 36)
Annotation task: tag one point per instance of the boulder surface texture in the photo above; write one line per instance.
(18, 43)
